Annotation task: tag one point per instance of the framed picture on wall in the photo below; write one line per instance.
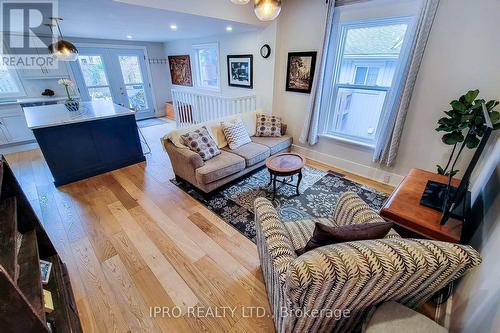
(240, 71)
(180, 70)
(300, 71)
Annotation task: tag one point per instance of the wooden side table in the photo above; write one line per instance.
(404, 209)
(285, 165)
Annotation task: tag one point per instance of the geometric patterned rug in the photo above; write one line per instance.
(319, 191)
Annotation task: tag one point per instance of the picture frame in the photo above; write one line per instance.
(240, 71)
(300, 71)
(180, 70)
(45, 269)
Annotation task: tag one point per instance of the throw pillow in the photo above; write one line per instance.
(236, 134)
(200, 141)
(268, 125)
(327, 235)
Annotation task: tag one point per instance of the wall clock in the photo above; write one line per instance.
(265, 51)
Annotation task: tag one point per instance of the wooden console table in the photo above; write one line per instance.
(404, 209)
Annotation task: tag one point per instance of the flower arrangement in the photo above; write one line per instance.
(71, 104)
(68, 84)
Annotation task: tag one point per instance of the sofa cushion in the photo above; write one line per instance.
(276, 144)
(236, 133)
(268, 125)
(219, 167)
(327, 235)
(301, 231)
(201, 142)
(253, 153)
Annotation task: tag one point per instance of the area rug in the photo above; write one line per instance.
(319, 194)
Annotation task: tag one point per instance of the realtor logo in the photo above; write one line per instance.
(26, 33)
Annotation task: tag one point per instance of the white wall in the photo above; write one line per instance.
(458, 57)
(233, 44)
(159, 73)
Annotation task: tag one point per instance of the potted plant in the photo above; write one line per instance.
(71, 103)
(465, 116)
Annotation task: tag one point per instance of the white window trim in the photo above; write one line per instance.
(331, 98)
(197, 78)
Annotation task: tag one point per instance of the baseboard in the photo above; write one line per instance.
(378, 175)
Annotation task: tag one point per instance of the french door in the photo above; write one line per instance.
(116, 75)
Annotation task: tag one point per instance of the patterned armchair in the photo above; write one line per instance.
(309, 292)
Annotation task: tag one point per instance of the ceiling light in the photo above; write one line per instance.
(129, 37)
(267, 10)
(240, 2)
(229, 28)
(173, 27)
(62, 49)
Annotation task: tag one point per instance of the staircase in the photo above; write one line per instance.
(23, 242)
(194, 107)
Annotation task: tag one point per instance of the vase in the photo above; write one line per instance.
(72, 105)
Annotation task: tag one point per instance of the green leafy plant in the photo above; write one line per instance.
(466, 115)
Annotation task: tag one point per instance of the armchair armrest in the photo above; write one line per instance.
(354, 276)
(273, 240)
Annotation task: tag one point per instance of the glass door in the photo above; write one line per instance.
(117, 75)
(135, 90)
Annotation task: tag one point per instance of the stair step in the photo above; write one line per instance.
(8, 236)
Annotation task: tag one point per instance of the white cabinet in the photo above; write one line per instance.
(62, 71)
(13, 127)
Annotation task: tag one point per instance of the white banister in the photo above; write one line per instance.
(194, 107)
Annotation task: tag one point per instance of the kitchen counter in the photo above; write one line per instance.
(98, 138)
(57, 115)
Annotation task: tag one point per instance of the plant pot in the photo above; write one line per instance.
(72, 105)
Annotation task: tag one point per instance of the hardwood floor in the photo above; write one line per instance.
(132, 241)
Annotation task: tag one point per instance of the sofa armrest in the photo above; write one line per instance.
(182, 157)
(354, 276)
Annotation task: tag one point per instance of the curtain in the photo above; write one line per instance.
(387, 146)
(311, 123)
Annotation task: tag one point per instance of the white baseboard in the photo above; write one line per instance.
(376, 174)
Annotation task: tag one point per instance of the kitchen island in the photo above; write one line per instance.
(98, 138)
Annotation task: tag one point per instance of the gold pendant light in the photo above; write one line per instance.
(62, 49)
(267, 10)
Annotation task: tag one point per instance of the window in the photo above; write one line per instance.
(207, 66)
(365, 70)
(95, 78)
(10, 85)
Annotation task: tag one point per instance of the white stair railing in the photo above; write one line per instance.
(194, 107)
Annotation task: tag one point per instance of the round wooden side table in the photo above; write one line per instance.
(285, 165)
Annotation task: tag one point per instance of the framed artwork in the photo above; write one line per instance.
(180, 70)
(300, 71)
(240, 71)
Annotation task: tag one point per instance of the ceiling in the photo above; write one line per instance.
(108, 19)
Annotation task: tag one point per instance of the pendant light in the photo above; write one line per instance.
(62, 49)
(240, 2)
(267, 10)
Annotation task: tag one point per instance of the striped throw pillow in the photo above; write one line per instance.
(236, 134)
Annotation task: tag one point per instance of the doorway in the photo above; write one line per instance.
(117, 75)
